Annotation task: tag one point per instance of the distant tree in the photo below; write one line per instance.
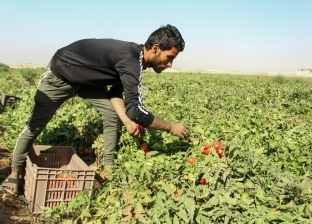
(4, 67)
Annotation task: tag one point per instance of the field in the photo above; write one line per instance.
(264, 124)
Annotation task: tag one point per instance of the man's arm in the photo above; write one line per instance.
(119, 106)
(135, 109)
(177, 129)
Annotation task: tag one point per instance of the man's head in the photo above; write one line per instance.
(162, 46)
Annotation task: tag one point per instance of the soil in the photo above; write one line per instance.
(12, 209)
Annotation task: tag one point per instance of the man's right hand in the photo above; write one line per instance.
(181, 130)
(134, 129)
(177, 129)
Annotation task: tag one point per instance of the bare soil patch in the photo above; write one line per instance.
(12, 209)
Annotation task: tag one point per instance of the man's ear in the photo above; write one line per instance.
(155, 48)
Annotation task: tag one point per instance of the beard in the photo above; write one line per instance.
(156, 64)
(157, 70)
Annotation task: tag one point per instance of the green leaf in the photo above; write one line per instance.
(161, 159)
(139, 207)
(241, 170)
(161, 195)
(203, 192)
(200, 130)
(175, 220)
(229, 200)
(243, 133)
(236, 127)
(225, 174)
(202, 219)
(273, 144)
(226, 219)
(190, 207)
(127, 165)
(218, 214)
(277, 137)
(152, 153)
(212, 202)
(157, 146)
(85, 213)
(48, 209)
(183, 215)
(309, 207)
(255, 162)
(168, 219)
(259, 151)
(291, 146)
(140, 154)
(168, 189)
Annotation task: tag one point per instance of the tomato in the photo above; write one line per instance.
(191, 160)
(203, 181)
(145, 147)
(147, 150)
(217, 145)
(138, 127)
(64, 175)
(86, 152)
(221, 153)
(206, 150)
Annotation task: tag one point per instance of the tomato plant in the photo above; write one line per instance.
(265, 122)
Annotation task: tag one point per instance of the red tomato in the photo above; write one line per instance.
(203, 181)
(191, 160)
(138, 127)
(145, 147)
(221, 153)
(147, 150)
(217, 145)
(86, 152)
(206, 150)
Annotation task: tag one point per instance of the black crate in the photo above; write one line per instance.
(7, 101)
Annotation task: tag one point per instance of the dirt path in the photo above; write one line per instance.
(12, 210)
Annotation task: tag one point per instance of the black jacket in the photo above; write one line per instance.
(106, 62)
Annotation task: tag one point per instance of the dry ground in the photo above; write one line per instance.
(12, 209)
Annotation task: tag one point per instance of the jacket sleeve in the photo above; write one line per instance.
(116, 91)
(131, 72)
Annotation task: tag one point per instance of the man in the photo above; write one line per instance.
(85, 68)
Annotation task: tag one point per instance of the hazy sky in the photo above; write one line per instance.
(244, 35)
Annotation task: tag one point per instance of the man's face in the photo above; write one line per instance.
(163, 59)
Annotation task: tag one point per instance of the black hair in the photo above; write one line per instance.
(166, 37)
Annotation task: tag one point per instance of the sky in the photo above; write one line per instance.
(272, 36)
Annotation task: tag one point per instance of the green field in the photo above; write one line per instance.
(263, 122)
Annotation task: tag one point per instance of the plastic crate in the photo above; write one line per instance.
(45, 182)
(6, 101)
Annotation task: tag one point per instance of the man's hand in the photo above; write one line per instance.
(135, 129)
(177, 129)
(180, 130)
